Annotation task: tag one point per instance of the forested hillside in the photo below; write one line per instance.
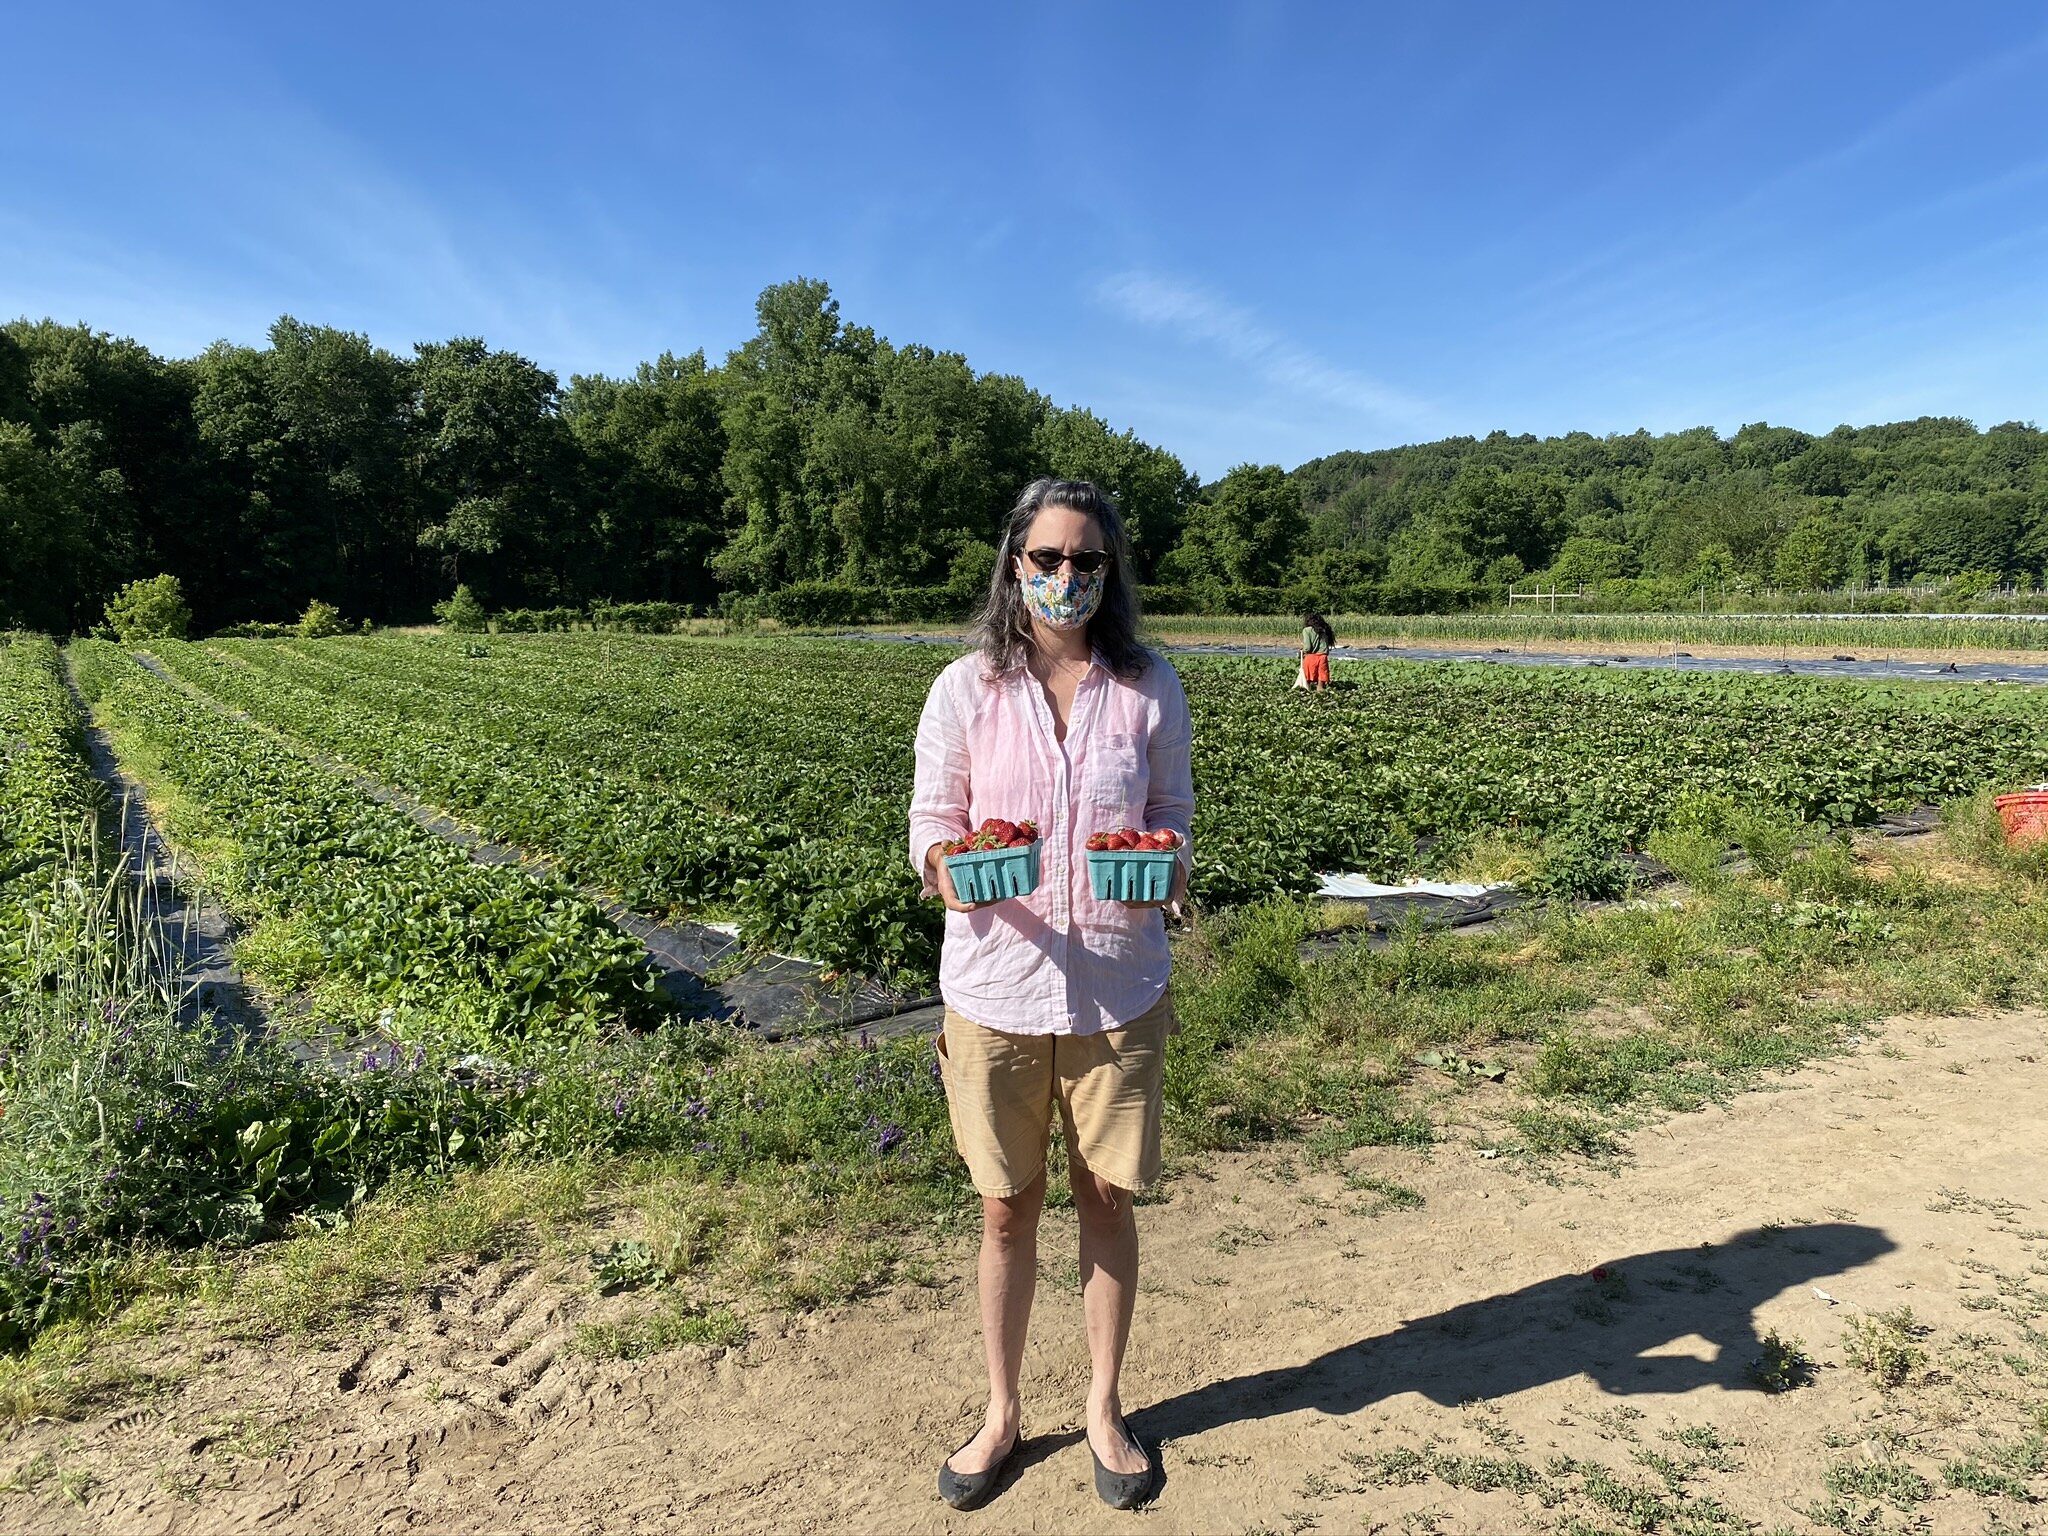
(823, 467)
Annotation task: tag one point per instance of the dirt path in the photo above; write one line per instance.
(1306, 1364)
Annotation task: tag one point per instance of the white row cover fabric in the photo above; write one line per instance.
(1358, 887)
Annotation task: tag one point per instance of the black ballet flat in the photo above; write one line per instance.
(967, 1490)
(1123, 1490)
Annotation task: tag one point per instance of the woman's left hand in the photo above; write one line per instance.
(1173, 895)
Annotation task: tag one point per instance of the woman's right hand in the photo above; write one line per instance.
(942, 877)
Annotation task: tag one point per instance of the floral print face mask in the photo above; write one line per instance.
(1063, 599)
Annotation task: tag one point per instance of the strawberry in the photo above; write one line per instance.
(1002, 831)
(1098, 842)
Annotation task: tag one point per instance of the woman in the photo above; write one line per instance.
(1057, 716)
(1316, 639)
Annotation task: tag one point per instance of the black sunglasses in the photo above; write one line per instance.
(1086, 561)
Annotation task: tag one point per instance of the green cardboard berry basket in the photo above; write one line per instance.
(1132, 874)
(996, 874)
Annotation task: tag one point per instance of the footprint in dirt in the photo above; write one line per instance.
(1601, 1324)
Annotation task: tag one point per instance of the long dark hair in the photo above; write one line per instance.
(1315, 621)
(1002, 630)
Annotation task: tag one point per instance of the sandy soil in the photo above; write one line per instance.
(1290, 1345)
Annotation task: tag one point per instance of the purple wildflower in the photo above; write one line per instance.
(889, 1140)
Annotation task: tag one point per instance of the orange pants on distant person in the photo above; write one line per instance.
(1315, 669)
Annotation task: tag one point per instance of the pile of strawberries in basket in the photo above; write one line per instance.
(993, 834)
(1131, 840)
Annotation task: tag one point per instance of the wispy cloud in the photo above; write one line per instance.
(1199, 315)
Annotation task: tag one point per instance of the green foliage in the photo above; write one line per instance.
(819, 452)
(1782, 1365)
(319, 621)
(1885, 1345)
(1243, 532)
(462, 613)
(668, 1327)
(47, 803)
(405, 922)
(152, 609)
(1892, 1481)
(1969, 1475)
(638, 618)
(1578, 862)
(669, 773)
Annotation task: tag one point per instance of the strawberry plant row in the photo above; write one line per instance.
(47, 793)
(353, 900)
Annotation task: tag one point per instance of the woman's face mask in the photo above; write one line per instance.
(1065, 598)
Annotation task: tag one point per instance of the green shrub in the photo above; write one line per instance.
(152, 609)
(1885, 1345)
(813, 603)
(319, 621)
(1578, 863)
(1783, 1364)
(536, 621)
(639, 618)
(462, 613)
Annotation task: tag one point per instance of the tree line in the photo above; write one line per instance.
(818, 462)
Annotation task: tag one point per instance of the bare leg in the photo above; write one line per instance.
(1109, 1289)
(1009, 1277)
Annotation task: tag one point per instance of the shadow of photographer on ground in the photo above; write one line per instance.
(1608, 1323)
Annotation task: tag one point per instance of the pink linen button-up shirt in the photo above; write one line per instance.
(1058, 961)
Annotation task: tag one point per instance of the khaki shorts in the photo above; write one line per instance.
(1000, 1091)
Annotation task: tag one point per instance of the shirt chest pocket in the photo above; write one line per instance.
(1113, 780)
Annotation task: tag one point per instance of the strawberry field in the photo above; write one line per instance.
(349, 897)
(766, 781)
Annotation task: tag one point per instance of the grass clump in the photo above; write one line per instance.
(670, 1326)
(1893, 1482)
(1781, 1364)
(1884, 1346)
(1968, 1475)
(1548, 1132)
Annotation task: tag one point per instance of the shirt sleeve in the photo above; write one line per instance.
(1170, 800)
(938, 802)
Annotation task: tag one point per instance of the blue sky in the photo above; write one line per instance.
(1247, 231)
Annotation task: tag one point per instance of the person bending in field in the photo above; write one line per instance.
(1055, 1000)
(1316, 639)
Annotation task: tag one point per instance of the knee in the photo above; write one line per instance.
(1010, 1220)
(1100, 1204)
